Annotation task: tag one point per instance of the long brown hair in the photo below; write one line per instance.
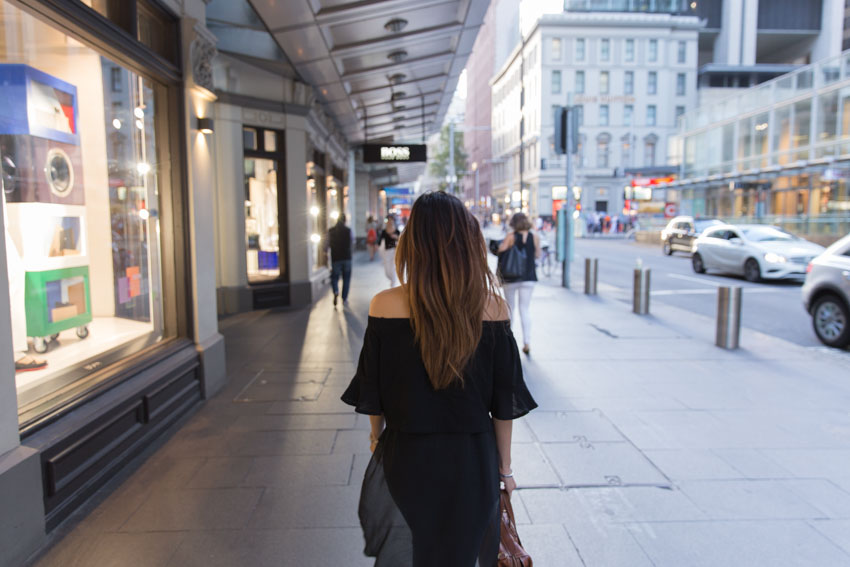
(441, 260)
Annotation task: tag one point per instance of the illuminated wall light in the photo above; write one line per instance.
(140, 125)
(143, 168)
(116, 124)
(333, 192)
(335, 215)
(139, 113)
(507, 198)
(144, 214)
(205, 125)
(314, 211)
(315, 238)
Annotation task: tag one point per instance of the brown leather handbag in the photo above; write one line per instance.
(511, 553)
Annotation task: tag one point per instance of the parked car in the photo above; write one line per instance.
(681, 232)
(826, 294)
(755, 251)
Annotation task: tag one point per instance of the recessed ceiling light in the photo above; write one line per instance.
(396, 78)
(397, 56)
(398, 94)
(395, 25)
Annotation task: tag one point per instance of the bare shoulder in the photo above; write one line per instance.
(496, 309)
(390, 303)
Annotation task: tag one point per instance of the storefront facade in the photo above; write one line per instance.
(281, 181)
(778, 153)
(106, 177)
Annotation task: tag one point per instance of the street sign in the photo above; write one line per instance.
(390, 153)
(670, 210)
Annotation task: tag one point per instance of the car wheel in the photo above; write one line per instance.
(831, 321)
(696, 262)
(667, 248)
(752, 272)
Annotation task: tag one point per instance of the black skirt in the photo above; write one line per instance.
(432, 500)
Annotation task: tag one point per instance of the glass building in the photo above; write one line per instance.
(776, 153)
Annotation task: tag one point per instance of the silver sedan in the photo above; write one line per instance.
(754, 251)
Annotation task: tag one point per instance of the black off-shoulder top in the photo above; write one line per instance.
(391, 381)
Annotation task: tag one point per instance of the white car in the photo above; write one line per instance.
(755, 251)
(826, 294)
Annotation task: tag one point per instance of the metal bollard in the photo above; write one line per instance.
(640, 298)
(591, 273)
(728, 317)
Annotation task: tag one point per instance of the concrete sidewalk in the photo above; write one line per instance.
(650, 447)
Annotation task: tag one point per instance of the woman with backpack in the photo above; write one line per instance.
(524, 245)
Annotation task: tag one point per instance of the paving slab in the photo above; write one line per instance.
(572, 426)
(602, 464)
(739, 544)
(183, 510)
(749, 500)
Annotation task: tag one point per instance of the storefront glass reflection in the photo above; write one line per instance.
(81, 208)
(261, 219)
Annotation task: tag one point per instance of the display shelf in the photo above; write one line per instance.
(57, 300)
(34, 103)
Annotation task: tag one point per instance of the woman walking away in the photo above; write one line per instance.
(387, 241)
(440, 368)
(371, 236)
(524, 239)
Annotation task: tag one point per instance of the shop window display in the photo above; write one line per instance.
(263, 196)
(80, 204)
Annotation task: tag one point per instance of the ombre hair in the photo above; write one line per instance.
(441, 260)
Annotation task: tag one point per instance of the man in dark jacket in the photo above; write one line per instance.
(339, 241)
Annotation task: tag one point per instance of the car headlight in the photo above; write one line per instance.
(775, 258)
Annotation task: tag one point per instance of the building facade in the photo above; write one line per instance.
(776, 153)
(630, 74)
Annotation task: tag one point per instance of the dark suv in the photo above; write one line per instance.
(681, 232)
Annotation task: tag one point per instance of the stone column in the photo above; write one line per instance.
(727, 47)
(199, 48)
(828, 43)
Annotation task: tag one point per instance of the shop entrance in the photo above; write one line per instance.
(265, 217)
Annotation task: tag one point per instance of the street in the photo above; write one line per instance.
(774, 308)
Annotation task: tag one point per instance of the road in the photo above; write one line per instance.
(773, 308)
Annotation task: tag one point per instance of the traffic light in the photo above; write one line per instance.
(566, 125)
(560, 130)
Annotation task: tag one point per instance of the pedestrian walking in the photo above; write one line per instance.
(387, 243)
(523, 285)
(440, 377)
(371, 236)
(339, 241)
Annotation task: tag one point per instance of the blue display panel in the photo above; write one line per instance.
(37, 104)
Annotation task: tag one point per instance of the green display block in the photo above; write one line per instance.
(57, 300)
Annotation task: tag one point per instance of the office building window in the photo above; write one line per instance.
(580, 111)
(604, 82)
(652, 83)
(680, 110)
(556, 82)
(628, 113)
(630, 50)
(682, 54)
(579, 82)
(580, 49)
(603, 143)
(605, 50)
(603, 114)
(649, 145)
(650, 115)
(653, 51)
(626, 150)
(680, 84)
(629, 83)
(556, 49)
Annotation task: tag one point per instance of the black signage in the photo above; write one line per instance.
(388, 153)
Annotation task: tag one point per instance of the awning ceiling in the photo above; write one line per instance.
(377, 66)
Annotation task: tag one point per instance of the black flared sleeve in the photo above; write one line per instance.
(511, 398)
(363, 391)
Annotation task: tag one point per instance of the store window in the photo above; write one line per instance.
(264, 201)
(84, 167)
